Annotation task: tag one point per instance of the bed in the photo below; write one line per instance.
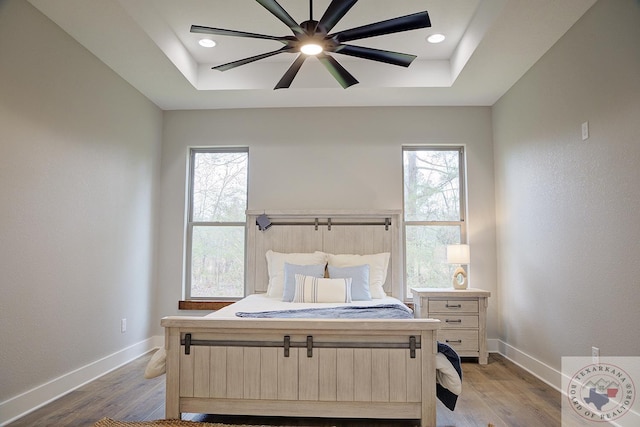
(223, 363)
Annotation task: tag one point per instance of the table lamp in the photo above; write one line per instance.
(458, 254)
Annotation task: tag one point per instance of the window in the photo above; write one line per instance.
(215, 243)
(434, 213)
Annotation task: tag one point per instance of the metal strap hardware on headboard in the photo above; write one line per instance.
(309, 344)
(329, 223)
(333, 231)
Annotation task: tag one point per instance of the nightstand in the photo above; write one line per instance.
(463, 314)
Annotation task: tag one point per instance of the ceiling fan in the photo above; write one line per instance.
(313, 38)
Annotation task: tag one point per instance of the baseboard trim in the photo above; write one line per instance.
(22, 404)
(493, 345)
(539, 369)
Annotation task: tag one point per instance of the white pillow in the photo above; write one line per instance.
(275, 267)
(157, 364)
(315, 289)
(378, 264)
(446, 375)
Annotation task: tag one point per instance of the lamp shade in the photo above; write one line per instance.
(458, 254)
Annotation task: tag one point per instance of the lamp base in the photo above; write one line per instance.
(460, 279)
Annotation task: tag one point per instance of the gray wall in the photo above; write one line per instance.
(567, 210)
(79, 158)
(321, 158)
(80, 168)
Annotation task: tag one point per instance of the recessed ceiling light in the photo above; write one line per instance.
(207, 43)
(436, 38)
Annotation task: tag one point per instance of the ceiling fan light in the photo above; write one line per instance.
(311, 49)
(206, 43)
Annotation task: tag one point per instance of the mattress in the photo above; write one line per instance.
(261, 302)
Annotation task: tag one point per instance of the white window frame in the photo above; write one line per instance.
(190, 223)
(461, 223)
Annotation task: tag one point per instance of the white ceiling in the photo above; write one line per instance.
(490, 44)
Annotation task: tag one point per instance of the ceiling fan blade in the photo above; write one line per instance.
(221, 32)
(334, 13)
(395, 58)
(337, 71)
(288, 77)
(395, 25)
(277, 11)
(234, 64)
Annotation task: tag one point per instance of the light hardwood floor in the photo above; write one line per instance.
(499, 393)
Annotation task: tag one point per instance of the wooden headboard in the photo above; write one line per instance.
(336, 232)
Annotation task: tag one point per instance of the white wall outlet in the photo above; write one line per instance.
(595, 355)
(123, 325)
(585, 131)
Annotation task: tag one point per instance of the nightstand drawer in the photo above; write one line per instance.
(454, 321)
(453, 306)
(459, 340)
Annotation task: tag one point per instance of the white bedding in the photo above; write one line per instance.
(262, 302)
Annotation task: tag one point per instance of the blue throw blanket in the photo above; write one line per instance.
(381, 311)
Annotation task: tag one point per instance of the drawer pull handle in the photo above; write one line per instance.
(453, 341)
(453, 321)
(454, 306)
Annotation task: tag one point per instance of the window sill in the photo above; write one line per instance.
(202, 305)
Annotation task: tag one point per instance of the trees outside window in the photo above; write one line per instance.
(434, 213)
(215, 242)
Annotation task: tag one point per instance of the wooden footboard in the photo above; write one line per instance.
(302, 367)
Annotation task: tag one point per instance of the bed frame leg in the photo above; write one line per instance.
(172, 396)
(428, 379)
